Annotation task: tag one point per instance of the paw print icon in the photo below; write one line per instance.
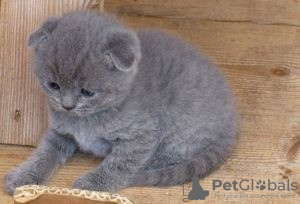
(261, 185)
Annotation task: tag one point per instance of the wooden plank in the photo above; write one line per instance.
(252, 11)
(242, 165)
(23, 114)
(232, 43)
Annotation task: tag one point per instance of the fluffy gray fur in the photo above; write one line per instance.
(157, 111)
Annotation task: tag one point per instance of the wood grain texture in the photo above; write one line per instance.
(239, 166)
(23, 113)
(266, 12)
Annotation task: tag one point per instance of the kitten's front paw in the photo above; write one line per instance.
(19, 177)
(93, 181)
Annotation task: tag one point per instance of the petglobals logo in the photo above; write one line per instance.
(260, 189)
(246, 185)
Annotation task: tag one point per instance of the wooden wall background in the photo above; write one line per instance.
(256, 43)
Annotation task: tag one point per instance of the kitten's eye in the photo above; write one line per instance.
(53, 85)
(87, 93)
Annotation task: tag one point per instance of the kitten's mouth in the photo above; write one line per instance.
(83, 113)
(79, 111)
(87, 112)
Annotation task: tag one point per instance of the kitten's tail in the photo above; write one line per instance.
(211, 158)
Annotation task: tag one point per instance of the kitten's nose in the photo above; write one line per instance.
(68, 101)
(68, 108)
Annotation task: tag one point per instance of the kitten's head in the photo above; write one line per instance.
(85, 62)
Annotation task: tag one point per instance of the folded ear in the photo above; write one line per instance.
(123, 50)
(43, 32)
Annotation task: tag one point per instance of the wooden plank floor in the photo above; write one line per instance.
(242, 165)
(255, 43)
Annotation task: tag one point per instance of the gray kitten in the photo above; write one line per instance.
(156, 111)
